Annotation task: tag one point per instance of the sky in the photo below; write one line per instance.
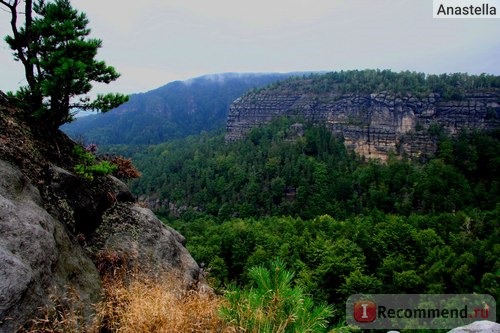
(153, 42)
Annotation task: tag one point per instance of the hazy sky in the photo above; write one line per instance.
(152, 42)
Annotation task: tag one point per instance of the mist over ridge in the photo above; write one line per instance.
(175, 110)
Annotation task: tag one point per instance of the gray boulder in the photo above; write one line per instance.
(116, 232)
(37, 257)
(483, 326)
(135, 234)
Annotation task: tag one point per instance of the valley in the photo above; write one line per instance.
(298, 187)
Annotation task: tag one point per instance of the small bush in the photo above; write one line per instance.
(273, 305)
(125, 168)
(88, 166)
(112, 264)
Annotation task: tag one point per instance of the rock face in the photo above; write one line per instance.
(37, 256)
(136, 232)
(373, 125)
(59, 231)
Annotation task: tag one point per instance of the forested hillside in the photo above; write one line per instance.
(343, 224)
(303, 170)
(176, 110)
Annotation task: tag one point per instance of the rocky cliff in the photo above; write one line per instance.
(372, 124)
(59, 231)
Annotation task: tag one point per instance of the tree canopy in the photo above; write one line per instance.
(274, 172)
(59, 61)
(448, 86)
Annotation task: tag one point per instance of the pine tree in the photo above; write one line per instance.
(274, 305)
(59, 61)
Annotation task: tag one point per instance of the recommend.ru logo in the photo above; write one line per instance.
(418, 311)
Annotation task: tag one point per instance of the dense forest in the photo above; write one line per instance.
(343, 224)
(277, 171)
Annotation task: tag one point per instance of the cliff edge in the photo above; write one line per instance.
(373, 123)
(60, 232)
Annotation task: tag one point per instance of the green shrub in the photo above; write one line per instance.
(273, 305)
(89, 167)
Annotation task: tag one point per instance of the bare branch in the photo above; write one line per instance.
(10, 6)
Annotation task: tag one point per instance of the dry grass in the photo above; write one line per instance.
(157, 305)
(141, 305)
(63, 314)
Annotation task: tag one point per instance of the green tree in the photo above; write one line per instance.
(357, 282)
(59, 61)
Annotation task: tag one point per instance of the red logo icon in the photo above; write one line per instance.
(365, 311)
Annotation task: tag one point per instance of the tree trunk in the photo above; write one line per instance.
(27, 57)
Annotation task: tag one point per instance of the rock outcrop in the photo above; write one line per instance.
(37, 255)
(373, 125)
(60, 232)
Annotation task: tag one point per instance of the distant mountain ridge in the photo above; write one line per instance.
(175, 110)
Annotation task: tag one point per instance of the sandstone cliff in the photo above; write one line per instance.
(59, 231)
(372, 124)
